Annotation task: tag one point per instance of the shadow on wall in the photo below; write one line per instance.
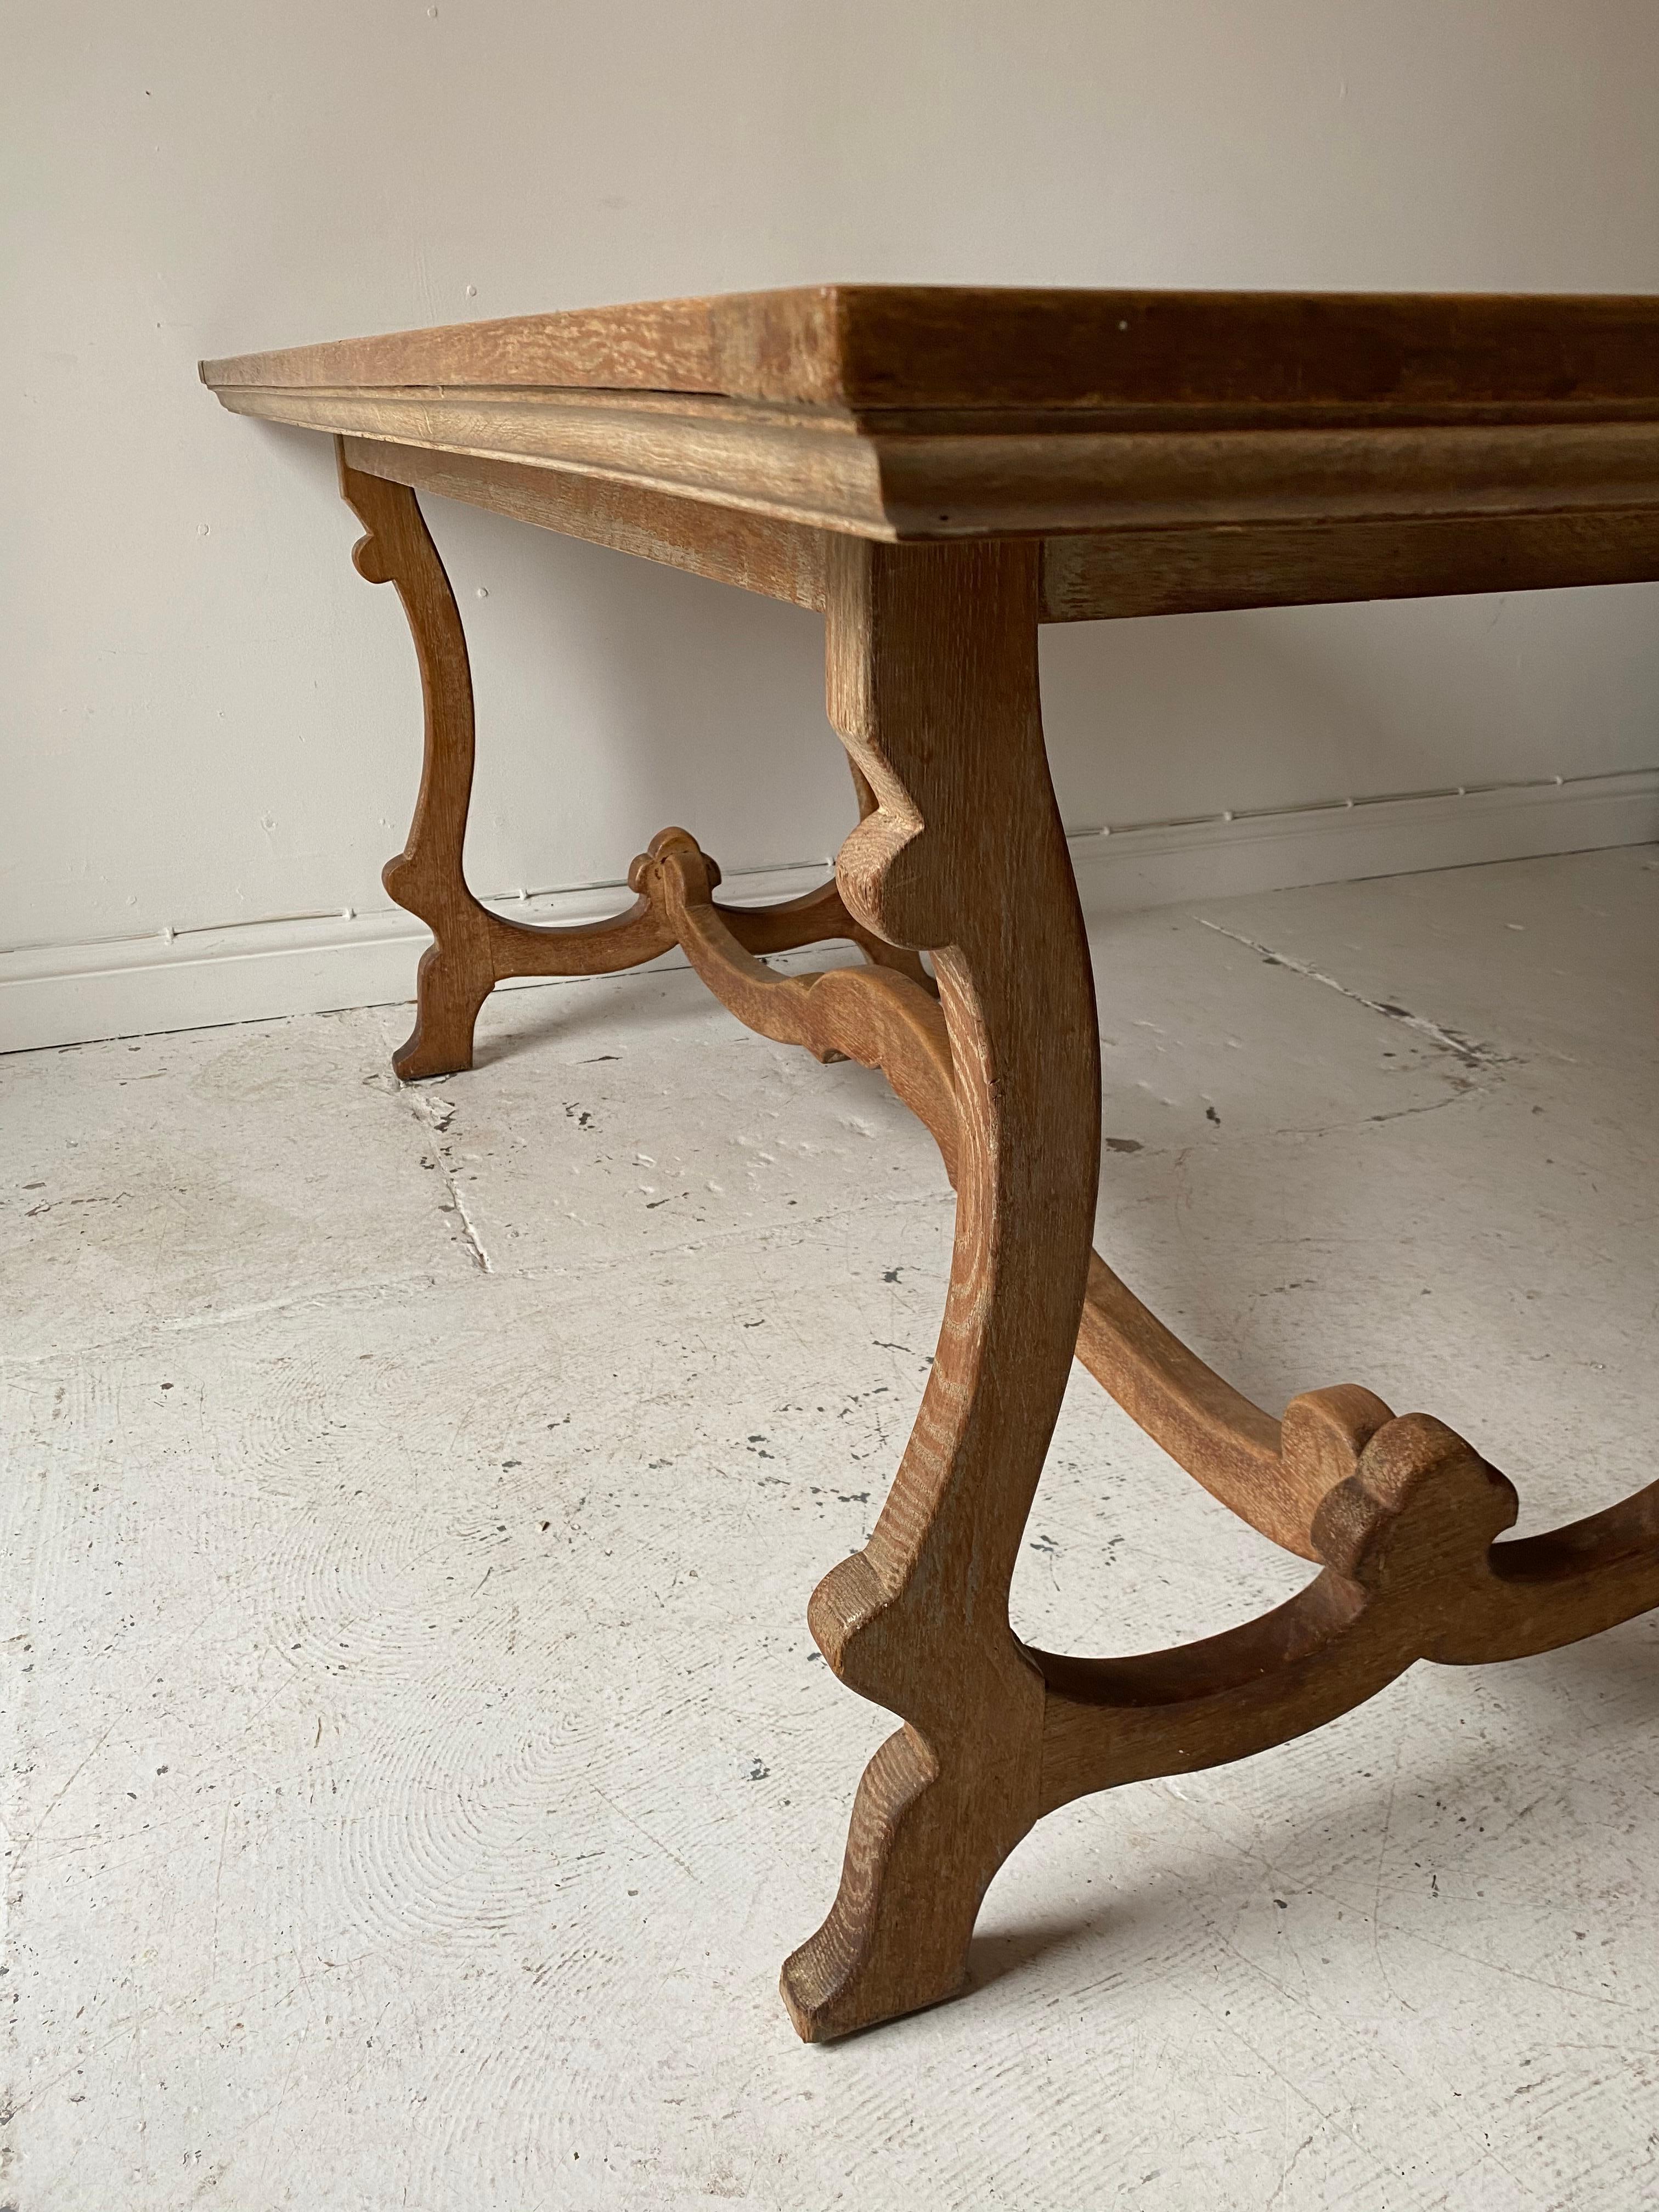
(1183, 715)
(615, 697)
(1177, 715)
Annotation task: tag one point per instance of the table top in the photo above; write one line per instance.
(876, 346)
(898, 412)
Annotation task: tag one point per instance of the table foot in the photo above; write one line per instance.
(924, 1842)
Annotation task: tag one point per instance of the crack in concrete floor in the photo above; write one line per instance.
(1467, 1049)
(435, 1116)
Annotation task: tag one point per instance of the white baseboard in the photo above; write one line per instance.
(54, 996)
(1279, 849)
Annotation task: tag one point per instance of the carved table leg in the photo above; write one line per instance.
(1401, 1515)
(472, 949)
(458, 971)
(932, 686)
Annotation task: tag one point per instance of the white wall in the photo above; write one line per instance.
(211, 719)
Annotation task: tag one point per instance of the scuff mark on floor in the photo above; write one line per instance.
(1468, 1050)
(436, 1114)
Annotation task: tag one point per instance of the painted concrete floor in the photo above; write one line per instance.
(421, 1763)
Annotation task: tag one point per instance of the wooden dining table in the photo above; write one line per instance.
(939, 471)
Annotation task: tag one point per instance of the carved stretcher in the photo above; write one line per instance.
(940, 472)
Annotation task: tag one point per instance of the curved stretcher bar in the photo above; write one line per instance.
(1529, 1595)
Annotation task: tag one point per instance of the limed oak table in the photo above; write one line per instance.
(939, 471)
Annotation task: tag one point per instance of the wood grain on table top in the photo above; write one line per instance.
(875, 346)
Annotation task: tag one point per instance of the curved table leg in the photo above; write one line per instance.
(457, 973)
(932, 685)
(473, 949)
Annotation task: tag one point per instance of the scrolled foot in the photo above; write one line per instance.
(927, 1837)
(449, 993)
